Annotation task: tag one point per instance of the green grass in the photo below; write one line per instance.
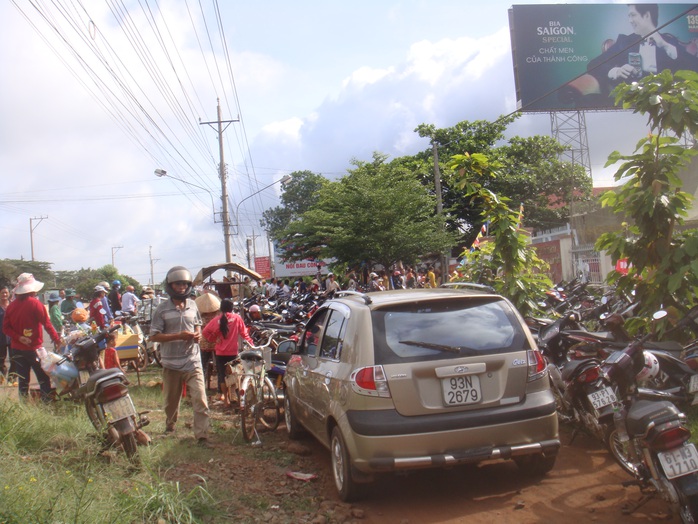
(53, 468)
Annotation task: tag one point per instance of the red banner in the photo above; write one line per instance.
(262, 266)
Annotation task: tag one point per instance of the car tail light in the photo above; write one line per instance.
(669, 439)
(536, 365)
(370, 381)
(589, 375)
(112, 392)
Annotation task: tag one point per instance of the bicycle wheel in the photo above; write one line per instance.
(248, 412)
(269, 417)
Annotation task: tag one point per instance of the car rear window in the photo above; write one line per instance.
(443, 329)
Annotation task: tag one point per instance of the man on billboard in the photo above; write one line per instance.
(646, 51)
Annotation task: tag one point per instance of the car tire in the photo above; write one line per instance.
(293, 427)
(347, 489)
(535, 465)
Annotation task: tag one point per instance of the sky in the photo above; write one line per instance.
(97, 95)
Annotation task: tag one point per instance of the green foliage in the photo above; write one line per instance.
(82, 280)
(298, 195)
(662, 271)
(379, 213)
(508, 263)
(530, 172)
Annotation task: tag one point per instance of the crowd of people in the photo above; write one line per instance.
(191, 330)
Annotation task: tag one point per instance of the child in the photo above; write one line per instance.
(111, 357)
(111, 360)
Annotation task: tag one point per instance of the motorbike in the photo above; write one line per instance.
(104, 392)
(649, 438)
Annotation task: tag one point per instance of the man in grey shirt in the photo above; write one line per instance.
(176, 325)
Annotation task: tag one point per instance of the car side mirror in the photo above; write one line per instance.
(287, 346)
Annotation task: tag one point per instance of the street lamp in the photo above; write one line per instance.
(283, 180)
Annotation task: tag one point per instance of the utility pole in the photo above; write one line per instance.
(439, 206)
(254, 251)
(223, 175)
(152, 262)
(31, 231)
(114, 249)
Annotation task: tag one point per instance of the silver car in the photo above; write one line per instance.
(408, 379)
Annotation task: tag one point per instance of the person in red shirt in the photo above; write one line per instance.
(24, 322)
(224, 330)
(96, 310)
(111, 356)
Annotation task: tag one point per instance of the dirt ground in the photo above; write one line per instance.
(584, 486)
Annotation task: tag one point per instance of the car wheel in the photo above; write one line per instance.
(293, 427)
(535, 465)
(347, 488)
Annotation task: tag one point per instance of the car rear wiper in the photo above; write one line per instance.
(440, 347)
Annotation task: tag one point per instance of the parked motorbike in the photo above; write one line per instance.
(649, 439)
(104, 392)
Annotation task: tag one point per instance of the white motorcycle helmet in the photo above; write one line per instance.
(651, 367)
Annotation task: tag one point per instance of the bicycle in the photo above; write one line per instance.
(256, 394)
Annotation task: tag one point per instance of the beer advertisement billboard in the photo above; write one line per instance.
(571, 56)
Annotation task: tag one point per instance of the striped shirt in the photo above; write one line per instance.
(180, 355)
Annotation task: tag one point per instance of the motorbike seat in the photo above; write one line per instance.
(643, 412)
(100, 374)
(571, 368)
(670, 346)
(601, 336)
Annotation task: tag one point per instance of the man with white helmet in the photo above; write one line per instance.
(176, 325)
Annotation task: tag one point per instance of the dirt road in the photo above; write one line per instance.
(584, 486)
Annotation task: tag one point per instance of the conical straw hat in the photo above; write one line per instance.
(208, 303)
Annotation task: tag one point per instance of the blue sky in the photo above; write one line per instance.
(315, 84)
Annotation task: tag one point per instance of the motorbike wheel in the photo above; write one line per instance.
(155, 353)
(142, 361)
(269, 417)
(94, 416)
(688, 505)
(247, 414)
(128, 442)
(621, 452)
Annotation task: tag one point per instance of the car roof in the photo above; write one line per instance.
(378, 299)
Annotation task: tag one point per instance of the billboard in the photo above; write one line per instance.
(570, 56)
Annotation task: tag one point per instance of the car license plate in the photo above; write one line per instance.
(460, 390)
(602, 398)
(119, 409)
(693, 385)
(679, 462)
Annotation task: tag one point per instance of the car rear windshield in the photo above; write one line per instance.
(442, 329)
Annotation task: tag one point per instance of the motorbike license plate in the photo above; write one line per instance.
(119, 409)
(461, 390)
(602, 397)
(680, 462)
(693, 385)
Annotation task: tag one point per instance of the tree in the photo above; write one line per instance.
(10, 269)
(298, 195)
(663, 268)
(509, 263)
(378, 213)
(530, 173)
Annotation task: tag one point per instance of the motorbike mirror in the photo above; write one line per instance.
(658, 315)
(287, 346)
(604, 300)
(603, 316)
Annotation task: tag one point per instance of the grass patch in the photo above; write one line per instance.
(54, 468)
